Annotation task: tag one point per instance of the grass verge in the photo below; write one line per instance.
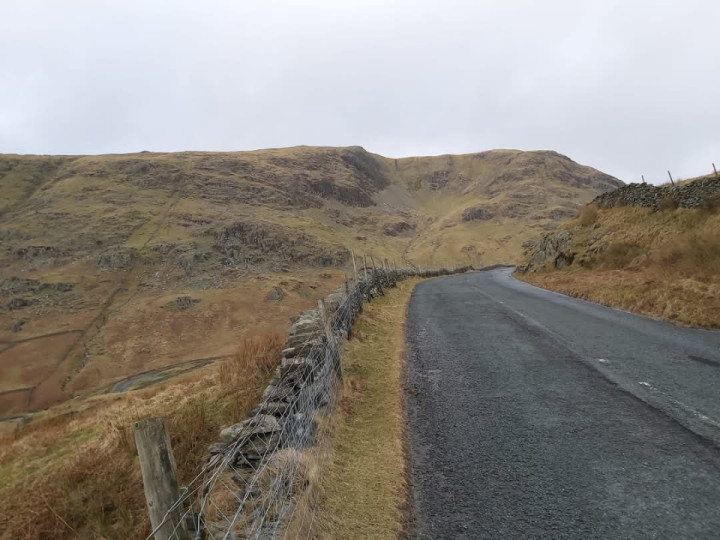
(364, 490)
(662, 264)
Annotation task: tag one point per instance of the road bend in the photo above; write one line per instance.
(535, 415)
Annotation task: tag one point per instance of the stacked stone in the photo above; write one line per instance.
(692, 195)
(283, 424)
(301, 384)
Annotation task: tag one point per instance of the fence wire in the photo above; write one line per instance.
(257, 485)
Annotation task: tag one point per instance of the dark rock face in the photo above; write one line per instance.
(30, 252)
(16, 285)
(364, 163)
(553, 247)
(398, 228)
(114, 259)
(436, 180)
(563, 259)
(477, 213)
(18, 303)
(255, 243)
(692, 195)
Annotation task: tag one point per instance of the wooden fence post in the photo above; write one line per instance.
(643, 177)
(159, 475)
(671, 179)
(714, 169)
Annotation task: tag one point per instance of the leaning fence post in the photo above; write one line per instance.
(714, 169)
(671, 179)
(159, 475)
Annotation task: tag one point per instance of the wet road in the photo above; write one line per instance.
(534, 415)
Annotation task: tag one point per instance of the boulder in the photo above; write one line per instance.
(184, 302)
(276, 294)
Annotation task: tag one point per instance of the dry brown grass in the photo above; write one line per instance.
(364, 491)
(587, 214)
(78, 476)
(694, 254)
(663, 264)
(255, 359)
(621, 254)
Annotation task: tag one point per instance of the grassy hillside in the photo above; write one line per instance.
(121, 272)
(119, 264)
(664, 263)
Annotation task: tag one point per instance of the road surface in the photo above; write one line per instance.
(534, 415)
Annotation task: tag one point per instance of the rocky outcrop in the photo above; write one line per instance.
(691, 195)
(21, 293)
(398, 228)
(553, 247)
(245, 242)
(477, 213)
(115, 259)
(16, 285)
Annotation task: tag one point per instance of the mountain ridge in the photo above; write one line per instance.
(165, 258)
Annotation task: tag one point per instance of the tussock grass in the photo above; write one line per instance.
(364, 490)
(255, 358)
(587, 214)
(77, 476)
(662, 264)
(620, 254)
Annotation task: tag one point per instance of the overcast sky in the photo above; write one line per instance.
(629, 87)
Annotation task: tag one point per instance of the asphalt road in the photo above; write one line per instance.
(534, 415)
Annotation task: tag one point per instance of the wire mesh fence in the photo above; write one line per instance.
(257, 482)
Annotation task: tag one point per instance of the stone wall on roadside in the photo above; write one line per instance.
(267, 447)
(691, 195)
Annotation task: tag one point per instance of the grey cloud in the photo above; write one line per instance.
(628, 87)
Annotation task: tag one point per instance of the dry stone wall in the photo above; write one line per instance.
(691, 195)
(258, 470)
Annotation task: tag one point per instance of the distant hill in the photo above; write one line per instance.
(112, 265)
